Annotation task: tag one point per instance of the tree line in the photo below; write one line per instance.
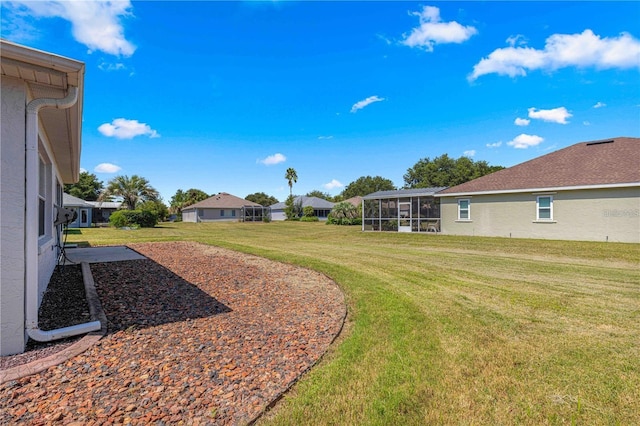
(137, 193)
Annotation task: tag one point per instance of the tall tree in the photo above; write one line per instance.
(132, 189)
(262, 199)
(320, 194)
(87, 188)
(445, 171)
(292, 177)
(365, 185)
(182, 199)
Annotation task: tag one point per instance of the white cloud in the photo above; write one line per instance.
(432, 30)
(521, 122)
(600, 105)
(333, 184)
(106, 66)
(325, 137)
(494, 145)
(121, 128)
(563, 50)
(469, 153)
(107, 168)
(555, 115)
(82, 170)
(586, 123)
(363, 103)
(518, 39)
(524, 141)
(96, 24)
(273, 159)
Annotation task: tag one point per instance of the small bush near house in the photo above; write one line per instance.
(308, 211)
(142, 219)
(309, 219)
(344, 213)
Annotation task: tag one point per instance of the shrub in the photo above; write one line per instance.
(345, 213)
(308, 211)
(142, 219)
(309, 219)
(118, 219)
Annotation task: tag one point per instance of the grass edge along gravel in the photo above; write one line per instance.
(454, 329)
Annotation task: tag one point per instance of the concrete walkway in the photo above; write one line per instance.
(102, 254)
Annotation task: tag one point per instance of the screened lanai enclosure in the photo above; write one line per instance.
(255, 213)
(405, 210)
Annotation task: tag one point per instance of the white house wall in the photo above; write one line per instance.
(189, 216)
(48, 243)
(12, 178)
(216, 214)
(278, 215)
(587, 215)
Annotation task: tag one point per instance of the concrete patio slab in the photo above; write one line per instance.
(102, 254)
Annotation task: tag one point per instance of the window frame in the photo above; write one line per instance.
(467, 209)
(43, 192)
(549, 208)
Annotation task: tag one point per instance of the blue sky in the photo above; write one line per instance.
(225, 96)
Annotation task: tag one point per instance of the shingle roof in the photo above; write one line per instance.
(356, 201)
(415, 192)
(315, 202)
(604, 162)
(71, 201)
(222, 201)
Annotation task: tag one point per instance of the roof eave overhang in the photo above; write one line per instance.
(547, 189)
(45, 69)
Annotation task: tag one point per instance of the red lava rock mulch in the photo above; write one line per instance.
(197, 334)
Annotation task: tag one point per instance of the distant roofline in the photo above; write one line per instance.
(395, 193)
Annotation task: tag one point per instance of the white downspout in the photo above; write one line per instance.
(31, 218)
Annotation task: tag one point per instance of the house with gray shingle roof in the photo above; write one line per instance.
(223, 207)
(587, 191)
(321, 208)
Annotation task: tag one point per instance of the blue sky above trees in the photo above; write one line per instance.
(225, 96)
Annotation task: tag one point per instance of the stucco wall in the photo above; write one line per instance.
(278, 215)
(189, 216)
(589, 215)
(12, 134)
(215, 214)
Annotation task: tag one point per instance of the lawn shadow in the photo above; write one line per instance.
(143, 293)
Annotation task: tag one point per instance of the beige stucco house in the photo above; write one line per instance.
(587, 191)
(223, 207)
(41, 118)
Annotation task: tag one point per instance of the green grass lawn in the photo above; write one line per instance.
(445, 329)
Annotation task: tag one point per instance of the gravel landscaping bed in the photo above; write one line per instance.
(197, 334)
(63, 304)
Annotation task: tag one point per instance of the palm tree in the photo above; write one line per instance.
(132, 190)
(292, 177)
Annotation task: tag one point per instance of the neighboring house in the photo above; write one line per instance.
(321, 207)
(82, 208)
(223, 207)
(41, 119)
(102, 210)
(356, 201)
(587, 191)
(404, 210)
